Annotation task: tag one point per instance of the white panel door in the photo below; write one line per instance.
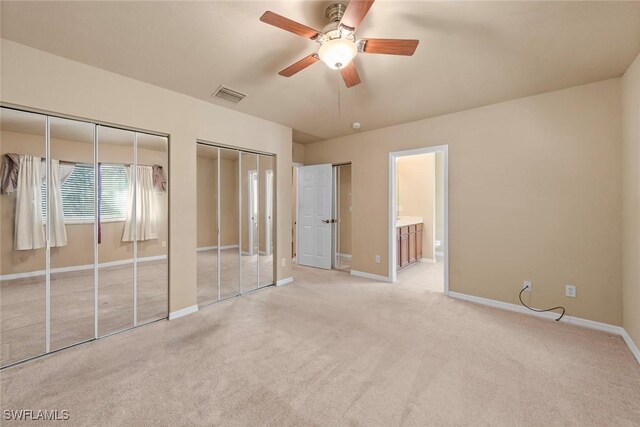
(314, 216)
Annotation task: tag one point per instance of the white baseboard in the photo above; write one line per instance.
(283, 282)
(183, 312)
(83, 267)
(210, 248)
(632, 346)
(429, 260)
(345, 256)
(585, 323)
(370, 276)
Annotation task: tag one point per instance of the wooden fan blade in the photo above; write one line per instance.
(288, 25)
(300, 65)
(355, 13)
(350, 75)
(390, 46)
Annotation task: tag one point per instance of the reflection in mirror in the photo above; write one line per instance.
(266, 179)
(249, 216)
(152, 228)
(115, 229)
(207, 253)
(229, 224)
(71, 218)
(22, 241)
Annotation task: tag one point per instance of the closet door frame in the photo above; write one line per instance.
(96, 124)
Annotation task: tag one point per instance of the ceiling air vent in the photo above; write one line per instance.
(229, 94)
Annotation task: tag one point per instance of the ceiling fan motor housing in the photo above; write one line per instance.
(335, 11)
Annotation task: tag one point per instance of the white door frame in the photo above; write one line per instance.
(334, 214)
(393, 156)
(295, 165)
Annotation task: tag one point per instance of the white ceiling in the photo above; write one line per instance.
(470, 53)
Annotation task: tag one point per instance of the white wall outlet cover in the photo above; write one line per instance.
(284, 262)
(570, 291)
(377, 259)
(526, 285)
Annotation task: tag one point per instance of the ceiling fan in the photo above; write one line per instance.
(338, 43)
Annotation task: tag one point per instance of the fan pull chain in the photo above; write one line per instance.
(339, 109)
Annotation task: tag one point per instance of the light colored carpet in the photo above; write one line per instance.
(332, 349)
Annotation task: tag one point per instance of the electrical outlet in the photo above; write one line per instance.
(284, 262)
(377, 259)
(526, 285)
(570, 291)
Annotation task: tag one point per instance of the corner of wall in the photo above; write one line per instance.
(631, 201)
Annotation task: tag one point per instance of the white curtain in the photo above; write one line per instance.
(29, 227)
(144, 205)
(59, 174)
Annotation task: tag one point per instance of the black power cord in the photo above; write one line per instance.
(539, 311)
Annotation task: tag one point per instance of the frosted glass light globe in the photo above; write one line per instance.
(337, 53)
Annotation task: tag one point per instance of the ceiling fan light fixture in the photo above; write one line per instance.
(337, 53)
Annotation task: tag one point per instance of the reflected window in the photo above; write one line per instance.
(78, 195)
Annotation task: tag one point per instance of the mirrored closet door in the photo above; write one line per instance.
(266, 190)
(249, 220)
(70, 223)
(83, 234)
(116, 251)
(152, 228)
(235, 222)
(23, 262)
(229, 209)
(207, 236)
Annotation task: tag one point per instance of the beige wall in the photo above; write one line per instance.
(440, 201)
(416, 183)
(536, 180)
(298, 152)
(79, 248)
(345, 209)
(631, 200)
(36, 79)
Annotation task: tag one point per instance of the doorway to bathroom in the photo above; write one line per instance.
(418, 218)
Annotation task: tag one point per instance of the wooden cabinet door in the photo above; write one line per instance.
(398, 250)
(404, 246)
(412, 244)
(419, 242)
